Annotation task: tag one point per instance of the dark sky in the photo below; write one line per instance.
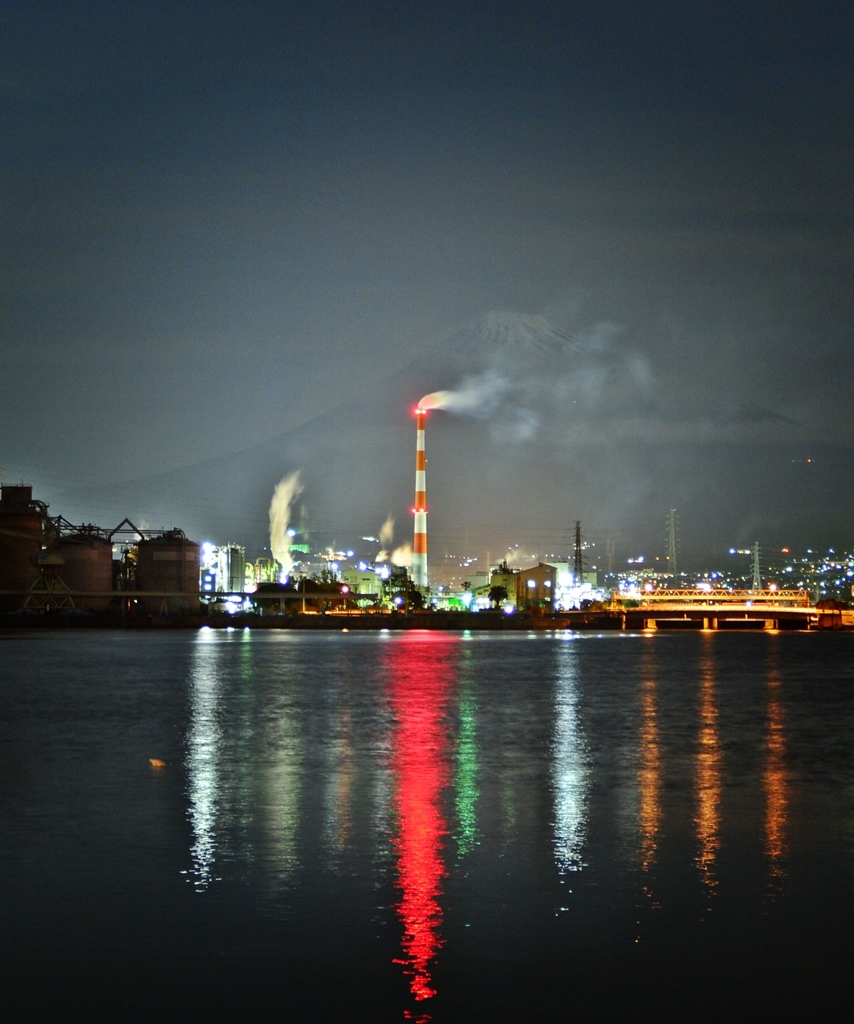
(221, 219)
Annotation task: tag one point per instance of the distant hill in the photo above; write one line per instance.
(574, 431)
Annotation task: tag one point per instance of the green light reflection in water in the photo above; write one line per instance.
(466, 777)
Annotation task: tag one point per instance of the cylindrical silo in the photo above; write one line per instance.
(168, 567)
(88, 568)
(22, 522)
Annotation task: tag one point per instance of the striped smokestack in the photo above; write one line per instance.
(419, 545)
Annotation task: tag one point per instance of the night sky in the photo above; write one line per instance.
(221, 220)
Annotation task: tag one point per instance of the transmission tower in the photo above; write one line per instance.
(757, 573)
(671, 543)
(578, 562)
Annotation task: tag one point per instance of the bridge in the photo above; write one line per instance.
(731, 609)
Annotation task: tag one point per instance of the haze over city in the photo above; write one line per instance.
(240, 243)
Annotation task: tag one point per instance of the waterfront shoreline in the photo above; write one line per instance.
(608, 620)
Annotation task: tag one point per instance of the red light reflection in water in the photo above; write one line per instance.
(421, 674)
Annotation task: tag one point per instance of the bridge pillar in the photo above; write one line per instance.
(710, 622)
(650, 623)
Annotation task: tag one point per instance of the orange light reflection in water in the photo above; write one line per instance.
(422, 670)
(775, 783)
(649, 781)
(707, 774)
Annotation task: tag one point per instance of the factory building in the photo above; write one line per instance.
(264, 570)
(478, 580)
(536, 587)
(223, 569)
(552, 586)
(49, 564)
(23, 532)
(361, 581)
(503, 576)
(549, 586)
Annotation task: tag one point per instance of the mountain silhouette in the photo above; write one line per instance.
(575, 433)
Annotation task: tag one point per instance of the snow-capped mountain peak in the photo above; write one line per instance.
(504, 331)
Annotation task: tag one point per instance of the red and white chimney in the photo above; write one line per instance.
(419, 545)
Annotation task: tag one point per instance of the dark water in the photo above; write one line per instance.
(426, 826)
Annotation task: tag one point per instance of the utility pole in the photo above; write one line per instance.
(671, 543)
(757, 575)
(578, 563)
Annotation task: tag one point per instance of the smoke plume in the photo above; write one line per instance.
(385, 538)
(402, 555)
(387, 531)
(287, 489)
(477, 396)
(516, 558)
(544, 379)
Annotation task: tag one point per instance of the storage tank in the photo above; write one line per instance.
(88, 567)
(232, 564)
(169, 565)
(22, 522)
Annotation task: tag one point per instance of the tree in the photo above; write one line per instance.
(497, 595)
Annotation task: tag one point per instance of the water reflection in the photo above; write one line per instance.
(288, 734)
(649, 777)
(774, 777)
(203, 742)
(570, 769)
(421, 668)
(465, 779)
(707, 771)
(282, 778)
(338, 824)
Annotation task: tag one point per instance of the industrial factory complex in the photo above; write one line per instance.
(53, 571)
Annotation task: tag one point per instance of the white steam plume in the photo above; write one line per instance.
(385, 538)
(519, 426)
(286, 491)
(476, 395)
(387, 531)
(402, 555)
(516, 558)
